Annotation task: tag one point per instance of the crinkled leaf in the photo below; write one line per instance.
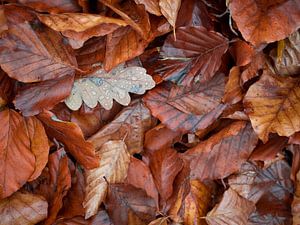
(103, 87)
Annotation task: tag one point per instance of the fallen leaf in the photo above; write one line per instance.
(262, 22)
(233, 91)
(139, 176)
(103, 87)
(129, 125)
(165, 164)
(43, 55)
(54, 6)
(81, 26)
(198, 46)
(34, 98)
(275, 111)
(23, 208)
(151, 6)
(296, 202)
(169, 9)
(71, 136)
(160, 221)
(234, 143)
(127, 205)
(232, 210)
(114, 161)
(24, 150)
(178, 107)
(242, 52)
(6, 88)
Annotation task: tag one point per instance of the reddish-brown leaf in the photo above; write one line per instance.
(242, 52)
(233, 91)
(127, 205)
(34, 98)
(23, 208)
(232, 210)
(151, 6)
(53, 6)
(23, 150)
(42, 55)
(165, 164)
(262, 22)
(178, 107)
(276, 110)
(129, 125)
(6, 88)
(139, 176)
(210, 159)
(203, 50)
(71, 135)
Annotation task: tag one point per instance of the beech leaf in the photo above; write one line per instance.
(23, 208)
(114, 161)
(170, 8)
(103, 87)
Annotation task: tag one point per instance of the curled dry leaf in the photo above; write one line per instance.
(23, 150)
(151, 6)
(262, 22)
(178, 107)
(276, 110)
(103, 87)
(233, 91)
(71, 136)
(127, 205)
(232, 210)
(34, 98)
(129, 125)
(233, 144)
(81, 26)
(23, 208)
(198, 46)
(114, 161)
(170, 8)
(6, 88)
(43, 55)
(289, 62)
(242, 52)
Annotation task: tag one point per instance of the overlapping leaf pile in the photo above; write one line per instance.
(150, 112)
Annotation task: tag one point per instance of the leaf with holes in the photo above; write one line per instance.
(103, 87)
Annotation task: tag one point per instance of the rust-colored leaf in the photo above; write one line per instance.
(232, 144)
(23, 208)
(71, 135)
(275, 110)
(233, 91)
(151, 6)
(232, 210)
(128, 205)
(178, 106)
(114, 161)
(24, 150)
(262, 22)
(129, 125)
(198, 46)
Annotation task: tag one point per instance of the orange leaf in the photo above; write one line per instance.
(53, 6)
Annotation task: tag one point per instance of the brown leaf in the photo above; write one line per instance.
(127, 205)
(234, 144)
(139, 176)
(289, 62)
(272, 20)
(60, 183)
(165, 164)
(53, 6)
(232, 210)
(6, 88)
(252, 183)
(23, 208)
(160, 137)
(274, 111)
(114, 161)
(242, 52)
(160, 221)
(178, 107)
(43, 55)
(233, 91)
(197, 46)
(151, 6)
(34, 98)
(196, 203)
(71, 136)
(170, 8)
(296, 202)
(130, 124)
(81, 26)
(24, 150)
